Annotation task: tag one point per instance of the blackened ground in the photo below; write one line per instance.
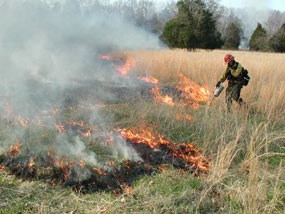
(86, 179)
(81, 178)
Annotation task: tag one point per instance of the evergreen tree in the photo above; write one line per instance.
(193, 27)
(232, 36)
(259, 39)
(277, 42)
(209, 37)
(175, 35)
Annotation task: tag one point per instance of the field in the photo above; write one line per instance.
(244, 148)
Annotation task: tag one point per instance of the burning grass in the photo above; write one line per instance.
(205, 68)
(151, 153)
(152, 165)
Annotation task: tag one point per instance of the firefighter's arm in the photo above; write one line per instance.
(224, 77)
(237, 71)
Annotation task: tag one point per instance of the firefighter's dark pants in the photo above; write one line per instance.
(233, 93)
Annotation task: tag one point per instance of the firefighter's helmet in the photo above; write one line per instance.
(228, 58)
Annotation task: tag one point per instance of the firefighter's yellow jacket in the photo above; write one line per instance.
(232, 73)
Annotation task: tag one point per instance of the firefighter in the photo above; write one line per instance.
(234, 75)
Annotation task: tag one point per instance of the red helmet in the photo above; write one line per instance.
(228, 58)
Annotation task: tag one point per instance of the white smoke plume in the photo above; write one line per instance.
(251, 12)
(49, 49)
(58, 45)
(75, 148)
(122, 151)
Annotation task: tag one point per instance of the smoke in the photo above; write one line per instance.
(50, 57)
(250, 12)
(257, 4)
(58, 45)
(75, 148)
(250, 17)
(122, 151)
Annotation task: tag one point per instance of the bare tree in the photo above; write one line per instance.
(274, 22)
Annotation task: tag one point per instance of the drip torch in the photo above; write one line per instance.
(217, 91)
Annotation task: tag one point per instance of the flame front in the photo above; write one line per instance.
(83, 128)
(15, 149)
(192, 91)
(129, 63)
(57, 168)
(124, 69)
(149, 79)
(192, 156)
(160, 98)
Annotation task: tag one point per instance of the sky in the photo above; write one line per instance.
(272, 4)
(262, 4)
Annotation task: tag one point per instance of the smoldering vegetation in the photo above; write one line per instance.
(55, 82)
(48, 51)
(50, 63)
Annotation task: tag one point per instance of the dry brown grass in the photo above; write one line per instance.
(265, 92)
(241, 179)
(254, 179)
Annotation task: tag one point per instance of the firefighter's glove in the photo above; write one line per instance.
(218, 84)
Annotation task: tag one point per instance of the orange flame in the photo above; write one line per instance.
(31, 163)
(64, 167)
(181, 117)
(62, 164)
(187, 152)
(53, 183)
(82, 163)
(126, 189)
(88, 133)
(192, 91)
(156, 91)
(106, 57)
(15, 149)
(189, 117)
(60, 128)
(84, 129)
(159, 98)
(124, 69)
(99, 171)
(145, 138)
(149, 79)
(162, 168)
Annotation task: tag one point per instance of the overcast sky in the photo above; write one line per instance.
(273, 4)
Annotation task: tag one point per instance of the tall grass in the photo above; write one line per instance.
(265, 92)
(241, 144)
(245, 148)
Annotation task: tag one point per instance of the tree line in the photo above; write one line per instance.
(203, 24)
(262, 41)
(195, 26)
